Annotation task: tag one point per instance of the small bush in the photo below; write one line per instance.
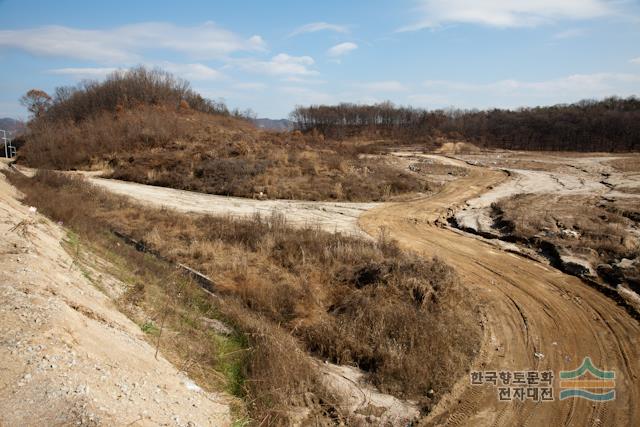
(150, 328)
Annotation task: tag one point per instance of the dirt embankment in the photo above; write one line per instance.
(579, 212)
(68, 356)
(536, 318)
(476, 215)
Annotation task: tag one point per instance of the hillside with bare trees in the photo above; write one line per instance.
(612, 124)
(150, 127)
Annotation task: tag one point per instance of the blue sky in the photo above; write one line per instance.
(270, 56)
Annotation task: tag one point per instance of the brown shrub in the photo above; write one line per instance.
(297, 293)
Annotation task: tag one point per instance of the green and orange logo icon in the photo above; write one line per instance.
(588, 382)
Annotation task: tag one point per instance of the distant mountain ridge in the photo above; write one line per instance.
(12, 126)
(275, 125)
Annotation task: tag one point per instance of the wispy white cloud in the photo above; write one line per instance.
(570, 33)
(280, 65)
(635, 60)
(126, 44)
(303, 80)
(585, 83)
(250, 86)
(319, 26)
(192, 72)
(429, 100)
(195, 71)
(506, 13)
(514, 93)
(341, 49)
(307, 96)
(84, 72)
(383, 86)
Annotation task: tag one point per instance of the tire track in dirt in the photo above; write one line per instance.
(565, 319)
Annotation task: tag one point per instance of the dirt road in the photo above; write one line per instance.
(330, 216)
(537, 318)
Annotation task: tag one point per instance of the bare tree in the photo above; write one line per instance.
(36, 101)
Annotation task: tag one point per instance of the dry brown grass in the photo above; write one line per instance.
(626, 164)
(296, 294)
(601, 227)
(605, 232)
(214, 154)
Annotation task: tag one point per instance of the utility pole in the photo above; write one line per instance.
(9, 150)
(6, 145)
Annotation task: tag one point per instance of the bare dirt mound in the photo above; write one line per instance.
(537, 318)
(67, 355)
(457, 148)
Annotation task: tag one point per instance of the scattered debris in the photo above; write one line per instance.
(217, 326)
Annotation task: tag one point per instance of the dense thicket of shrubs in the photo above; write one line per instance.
(612, 124)
(123, 90)
(133, 109)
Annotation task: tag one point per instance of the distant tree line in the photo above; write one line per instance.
(384, 119)
(612, 124)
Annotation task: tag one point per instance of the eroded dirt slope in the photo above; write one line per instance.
(552, 175)
(67, 355)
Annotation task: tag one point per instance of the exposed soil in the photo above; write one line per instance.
(330, 216)
(67, 355)
(555, 176)
(581, 212)
(536, 317)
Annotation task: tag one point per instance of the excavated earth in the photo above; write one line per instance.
(534, 316)
(537, 318)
